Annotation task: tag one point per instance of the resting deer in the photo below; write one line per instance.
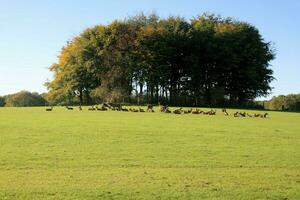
(212, 112)
(150, 108)
(69, 108)
(257, 115)
(133, 110)
(178, 111)
(243, 114)
(196, 112)
(49, 109)
(163, 108)
(92, 109)
(249, 115)
(101, 109)
(167, 110)
(187, 111)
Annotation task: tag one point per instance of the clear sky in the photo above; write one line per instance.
(32, 32)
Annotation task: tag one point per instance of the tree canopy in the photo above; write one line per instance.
(207, 60)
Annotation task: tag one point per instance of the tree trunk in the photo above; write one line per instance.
(80, 96)
(208, 96)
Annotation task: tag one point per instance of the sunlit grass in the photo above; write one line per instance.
(117, 155)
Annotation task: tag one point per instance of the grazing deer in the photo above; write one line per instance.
(265, 115)
(125, 110)
(80, 108)
(49, 109)
(141, 110)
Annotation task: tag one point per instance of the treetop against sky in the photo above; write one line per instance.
(33, 33)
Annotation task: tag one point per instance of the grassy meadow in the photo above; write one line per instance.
(117, 155)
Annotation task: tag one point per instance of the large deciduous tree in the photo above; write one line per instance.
(207, 60)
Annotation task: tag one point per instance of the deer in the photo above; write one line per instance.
(243, 114)
(150, 108)
(212, 112)
(141, 110)
(101, 109)
(248, 115)
(261, 115)
(49, 109)
(257, 115)
(187, 111)
(196, 112)
(165, 109)
(92, 108)
(69, 108)
(178, 111)
(133, 110)
(236, 114)
(225, 112)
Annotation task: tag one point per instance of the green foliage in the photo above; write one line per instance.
(208, 60)
(2, 101)
(290, 102)
(116, 155)
(23, 99)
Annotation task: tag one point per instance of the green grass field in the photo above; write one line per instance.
(115, 155)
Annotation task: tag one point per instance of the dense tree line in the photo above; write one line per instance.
(289, 102)
(207, 60)
(2, 101)
(23, 99)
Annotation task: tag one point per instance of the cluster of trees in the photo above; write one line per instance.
(2, 101)
(289, 102)
(22, 99)
(207, 60)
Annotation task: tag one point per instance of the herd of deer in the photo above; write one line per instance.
(164, 109)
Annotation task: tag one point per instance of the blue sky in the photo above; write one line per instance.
(32, 32)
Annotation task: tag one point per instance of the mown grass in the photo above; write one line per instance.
(115, 155)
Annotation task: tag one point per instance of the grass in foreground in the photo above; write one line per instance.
(114, 155)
